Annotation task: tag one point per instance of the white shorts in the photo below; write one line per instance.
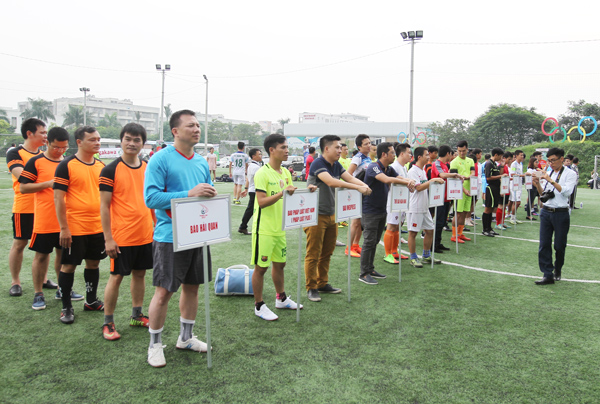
(394, 218)
(515, 196)
(419, 221)
(239, 179)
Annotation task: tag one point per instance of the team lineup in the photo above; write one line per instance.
(85, 211)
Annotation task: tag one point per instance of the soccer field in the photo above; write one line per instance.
(472, 330)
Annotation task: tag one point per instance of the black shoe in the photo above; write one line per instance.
(404, 231)
(49, 285)
(15, 290)
(368, 279)
(443, 247)
(438, 250)
(329, 289)
(98, 305)
(313, 295)
(466, 229)
(377, 275)
(557, 274)
(487, 233)
(545, 281)
(492, 232)
(530, 218)
(447, 228)
(244, 232)
(67, 316)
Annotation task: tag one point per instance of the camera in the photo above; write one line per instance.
(546, 196)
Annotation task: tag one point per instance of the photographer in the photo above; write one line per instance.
(555, 187)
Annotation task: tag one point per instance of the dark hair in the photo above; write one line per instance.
(555, 151)
(252, 152)
(418, 152)
(536, 153)
(569, 156)
(272, 141)
(575, 160)
(354, 152)
(327, 140)
(444, 150)
(82, 130)
(343, 144)
(432, 149)
(31, 125)
(462, 143)
(488, 156)
(532, 160)
(401, 148)
(241, 145)
(517, 152)
(383, 147)
(311, 150)
(359, 140)
(57, 133)
(507, 154)
(497, 151)
(175, 119)
(134, 129)
(476, 151)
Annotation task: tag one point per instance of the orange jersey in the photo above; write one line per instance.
(18, 157)
(80, 181)
(130, 220)
(42, 169)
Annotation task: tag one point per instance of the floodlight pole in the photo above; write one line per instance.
(411, 36)
(85, 91)
(206, 119)
(162, 100)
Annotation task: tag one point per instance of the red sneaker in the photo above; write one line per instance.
(460, 241)
(464, 238)
(109, 332)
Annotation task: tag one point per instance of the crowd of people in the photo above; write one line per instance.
(85, 211)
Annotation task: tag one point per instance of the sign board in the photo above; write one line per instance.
(474, 186)
(504, 185)
(197, 221)
(542, 164)
(348, 204)
(400, 198)
(455, 188)
(528, 182)
(300, 209)
(436, 194)
(110, 152)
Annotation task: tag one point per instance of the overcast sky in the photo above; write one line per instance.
(267, 60)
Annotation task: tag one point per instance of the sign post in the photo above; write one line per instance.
(199, 222)
(474, 195)
(455, 192)
(504, 189)
(436, 198)
(528, 187)
(398, 203)
(348, 206)
(300, 210)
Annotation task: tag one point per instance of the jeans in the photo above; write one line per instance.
(320, 243)
(249, 211)
(557, 223)
(373, 227)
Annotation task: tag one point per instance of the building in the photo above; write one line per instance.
(316, 117)
(14, 118)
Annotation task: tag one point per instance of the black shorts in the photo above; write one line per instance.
(45, 243)
(171, 269)
(133, 257)
(89, 247)
(505, 199)
(22, 225)
(492, 197)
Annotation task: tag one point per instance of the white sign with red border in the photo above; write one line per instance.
(399, 200)
(300, 209)
(455, 189)
(436, 194)
(474, 186)
(528, 182)
(348, 204)
(504, 185)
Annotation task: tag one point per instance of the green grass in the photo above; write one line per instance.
(442, 335)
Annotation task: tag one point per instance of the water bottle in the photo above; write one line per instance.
(581, 205)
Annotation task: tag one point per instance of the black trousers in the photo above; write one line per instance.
(249, 211)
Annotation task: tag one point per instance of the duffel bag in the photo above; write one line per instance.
(234, 280)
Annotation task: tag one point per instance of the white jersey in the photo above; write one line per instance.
(419, 201)
(239, 160)
(253, 167)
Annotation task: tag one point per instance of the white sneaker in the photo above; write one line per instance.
(402, 241)
(287, 304)
(469, 222)
(193, 344)
(156, 357)
(265, 313)
(512, 222)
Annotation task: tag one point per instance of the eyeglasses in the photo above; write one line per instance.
(551, 161)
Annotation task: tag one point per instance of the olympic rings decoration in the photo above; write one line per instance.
(566, 134)
(424, 138)
(404, 139)
(417, 140)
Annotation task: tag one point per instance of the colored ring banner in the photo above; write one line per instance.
(566, 134)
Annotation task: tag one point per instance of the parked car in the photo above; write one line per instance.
(223, 162)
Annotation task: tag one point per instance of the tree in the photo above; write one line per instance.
(575, 112)
(110, 132)
(138, 116)
(506, 125)
(40, 109)
(3, 115)
(5, 127)
(452, 131)
(282, 122)
(110, 121)
(249, 132)
(74, 117)
(168, 112)
(218, 131)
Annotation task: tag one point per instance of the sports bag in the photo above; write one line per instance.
(235, 280)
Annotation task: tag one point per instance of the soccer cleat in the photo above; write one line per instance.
(464, 238)
(109, 333)
(67, 316)
(338, 243)
(427, 260)
(492, 232)
(156, 356)
(518, 222)
(416, 263)
(358, 249)
(390, 259)
(506, 226)
(453, 239)
(192, 344)
(139, 321)
(402, 241)
(265, 313)
(512, 222)
(368, 279)
(353, 253)
(287, 304)
(75, 297)
(15, 290)
(499, 227)
(377, 275)
(39, 303)
(487, 233)
(98, 305)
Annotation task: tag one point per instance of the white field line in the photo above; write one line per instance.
(537, 241)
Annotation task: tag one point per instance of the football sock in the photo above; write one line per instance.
(136, 311)
(460, 230)
(486, 220)
(155, 336)
(186, 328)
(498, 216)
(396, 240)
(414, 256)
(426, 253)
(281, 296)
(258, 305)
(92, 278)
(65, 283)
(388, 242)
(109, 318)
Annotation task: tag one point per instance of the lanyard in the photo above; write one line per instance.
(556, 180)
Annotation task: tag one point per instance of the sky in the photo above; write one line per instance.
(267, 60)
